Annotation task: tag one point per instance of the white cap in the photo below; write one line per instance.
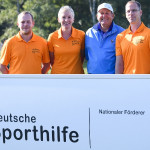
(105, 5)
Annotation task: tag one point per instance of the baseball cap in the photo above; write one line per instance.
(105, 5)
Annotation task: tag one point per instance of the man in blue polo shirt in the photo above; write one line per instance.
(100, 42)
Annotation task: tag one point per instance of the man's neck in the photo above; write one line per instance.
(106, 28)
(26, 37)
(135, 26)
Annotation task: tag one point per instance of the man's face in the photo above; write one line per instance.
(25, 23)
(105, 17)
(133, 13)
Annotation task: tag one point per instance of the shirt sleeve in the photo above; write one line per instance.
(5, 53)
(50, 43)
(118, 45)
(149, 38)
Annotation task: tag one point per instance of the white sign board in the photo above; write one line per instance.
(74, 112)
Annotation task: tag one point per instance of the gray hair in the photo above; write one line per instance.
(66, 8)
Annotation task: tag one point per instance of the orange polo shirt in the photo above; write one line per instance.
(25, 57)
(135, 49)
(67, 53)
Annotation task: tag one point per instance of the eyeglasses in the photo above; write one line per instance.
(133, 11)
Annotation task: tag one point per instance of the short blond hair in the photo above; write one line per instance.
(66, 8)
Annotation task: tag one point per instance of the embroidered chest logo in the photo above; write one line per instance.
(138, 39)
(112, 41)
(35, 50)
(75, 42)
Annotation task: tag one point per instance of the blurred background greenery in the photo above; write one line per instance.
(45, 15)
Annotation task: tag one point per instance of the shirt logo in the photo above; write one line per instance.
(35, 50)
(75, 42)
(112, 41)
(138, 39)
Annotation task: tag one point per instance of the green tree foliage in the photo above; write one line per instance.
(45, 14)
(8, 15)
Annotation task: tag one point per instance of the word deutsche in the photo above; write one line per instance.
(13, 118)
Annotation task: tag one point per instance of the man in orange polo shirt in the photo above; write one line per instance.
(133, 44)
(26, 52)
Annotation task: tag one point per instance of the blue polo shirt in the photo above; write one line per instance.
(100, 49)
